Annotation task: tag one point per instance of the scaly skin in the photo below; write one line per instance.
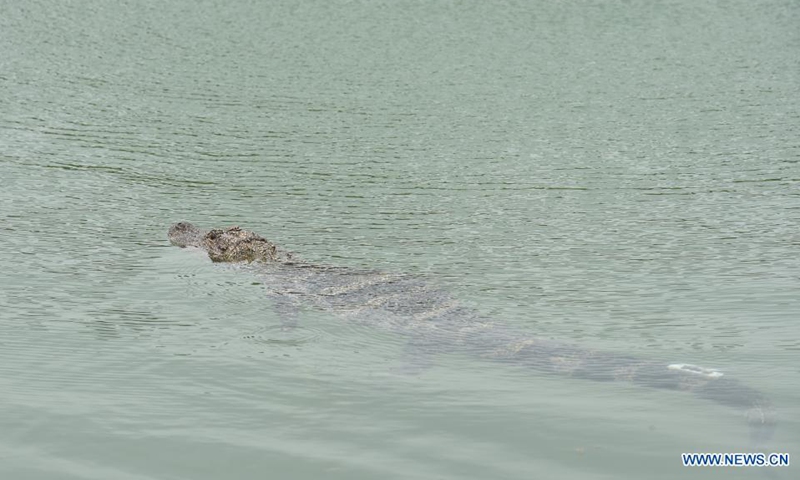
(436, 322)
(227, 245)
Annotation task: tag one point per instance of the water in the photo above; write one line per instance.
(622, 175)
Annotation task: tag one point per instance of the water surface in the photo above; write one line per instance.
(622, 175)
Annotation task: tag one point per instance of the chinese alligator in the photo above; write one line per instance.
(435, 322)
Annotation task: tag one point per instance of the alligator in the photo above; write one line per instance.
(435, 322)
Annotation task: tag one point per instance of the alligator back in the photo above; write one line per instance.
(429, 316)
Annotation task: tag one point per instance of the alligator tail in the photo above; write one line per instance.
(705, 383)
(712, 385)
(759, 411)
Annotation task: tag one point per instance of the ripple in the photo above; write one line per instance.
(651, 212)
(283, 336)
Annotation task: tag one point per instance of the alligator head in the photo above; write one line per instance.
(227, 245)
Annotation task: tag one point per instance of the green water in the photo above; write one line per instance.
(622, 175)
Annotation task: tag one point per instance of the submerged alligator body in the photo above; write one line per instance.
(436, 323)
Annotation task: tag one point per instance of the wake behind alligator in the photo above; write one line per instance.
(435, 323)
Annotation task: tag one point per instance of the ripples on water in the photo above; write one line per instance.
(619, 175)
